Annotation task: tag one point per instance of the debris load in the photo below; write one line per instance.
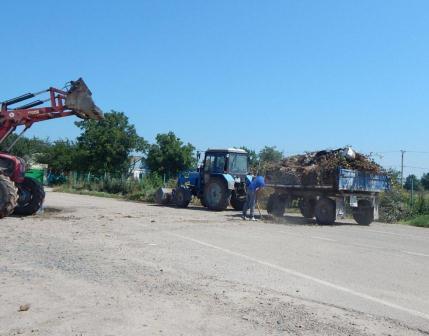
(319, 168)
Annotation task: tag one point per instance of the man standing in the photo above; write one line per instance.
(253, 189)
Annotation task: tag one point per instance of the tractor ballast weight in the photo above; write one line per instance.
(18, 193)
(220, 181)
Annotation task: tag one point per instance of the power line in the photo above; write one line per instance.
(398, 151)
(419, 152)
(424, 168)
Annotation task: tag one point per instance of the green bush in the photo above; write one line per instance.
(147, 188)
(393, 206)
(141, 190)
(421, 221)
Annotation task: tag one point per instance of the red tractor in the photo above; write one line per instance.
(20, 194)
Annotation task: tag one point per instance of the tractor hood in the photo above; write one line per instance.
(79, 100)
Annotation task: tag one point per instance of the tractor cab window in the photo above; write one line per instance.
(238, 164)
(215, 163)
(219, 166)
(208, 163)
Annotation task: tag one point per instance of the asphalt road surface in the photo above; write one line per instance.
(98, 266)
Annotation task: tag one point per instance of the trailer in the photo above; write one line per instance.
(348, 190)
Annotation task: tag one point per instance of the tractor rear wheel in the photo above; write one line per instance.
(237, 202)
(8, 196)
(325, 211)
(364, 213)
(217, 195)
(30, 197)
(182, 197)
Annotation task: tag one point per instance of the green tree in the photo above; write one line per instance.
(105, 146)
(412, 182)
(270, 154)
(26, 148)
(60, 156)
(169, 155)
(425, 181)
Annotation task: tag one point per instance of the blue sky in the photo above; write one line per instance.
(300, 75)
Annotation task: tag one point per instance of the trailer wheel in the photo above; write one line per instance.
(325, 211)
(237, 202)
(307, 207)
(217, 195)
(182, 197)
(8, 196)
(30, 197)
(276, 205)
(364, 213)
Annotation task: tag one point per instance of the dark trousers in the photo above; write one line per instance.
(250, 202)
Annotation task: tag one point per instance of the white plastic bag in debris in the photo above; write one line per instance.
(349, 153)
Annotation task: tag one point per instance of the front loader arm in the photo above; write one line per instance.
(75, 101)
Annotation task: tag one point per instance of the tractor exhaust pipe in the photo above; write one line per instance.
(79, 100)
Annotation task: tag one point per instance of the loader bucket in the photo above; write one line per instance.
(79, 100)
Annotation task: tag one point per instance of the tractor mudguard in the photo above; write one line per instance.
(229, 181)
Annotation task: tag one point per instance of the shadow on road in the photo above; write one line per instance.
(190, 207)
(294, 220)
(285, 220)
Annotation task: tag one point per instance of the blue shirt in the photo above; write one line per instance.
(257, 183)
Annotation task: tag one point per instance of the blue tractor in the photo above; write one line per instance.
(220, 180)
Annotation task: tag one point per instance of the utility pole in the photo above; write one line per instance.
(402, 167)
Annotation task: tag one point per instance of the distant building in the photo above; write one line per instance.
(137, 167)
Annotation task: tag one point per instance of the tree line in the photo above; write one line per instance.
(412, 182)
(106, 147)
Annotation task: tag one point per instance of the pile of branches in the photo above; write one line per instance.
(319, 168)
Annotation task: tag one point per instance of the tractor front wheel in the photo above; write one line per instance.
(182, 197)
(217, 195)
(31, 197)
(8, 196)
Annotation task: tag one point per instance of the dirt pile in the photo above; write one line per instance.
(319, 168)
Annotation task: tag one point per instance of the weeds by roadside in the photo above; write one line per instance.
(115, 187)
(420, 221)
(397, 205)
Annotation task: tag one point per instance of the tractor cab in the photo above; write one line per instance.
(231, 161)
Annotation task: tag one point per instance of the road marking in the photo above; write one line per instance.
(416, 254)
(307, 277)
(323, 238)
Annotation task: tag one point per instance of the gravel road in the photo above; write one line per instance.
(98, 266)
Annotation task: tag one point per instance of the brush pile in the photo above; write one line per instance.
(319, 168)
